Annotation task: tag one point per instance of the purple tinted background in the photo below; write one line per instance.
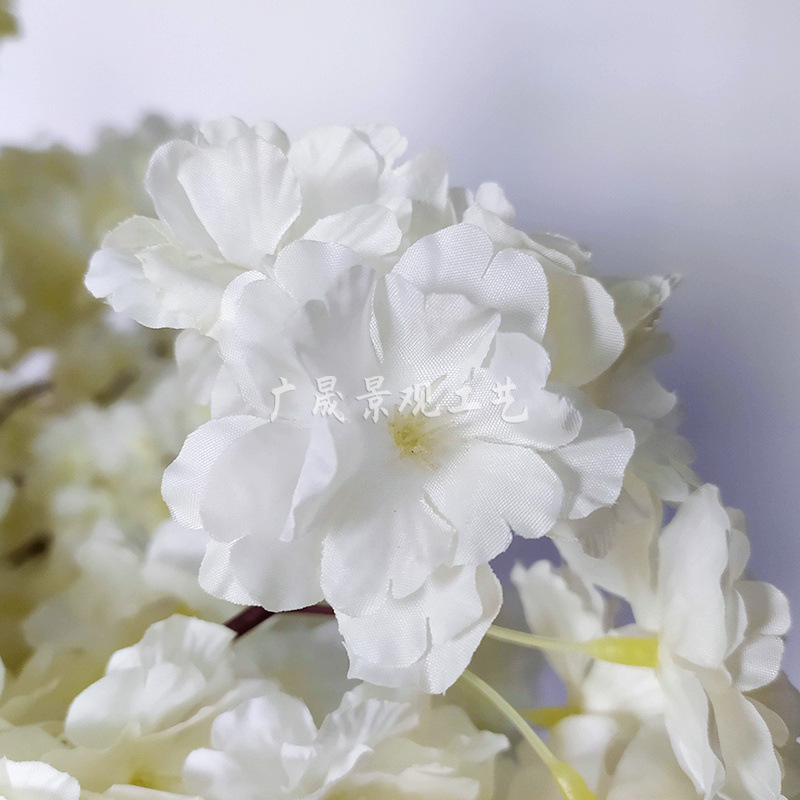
(662, 135)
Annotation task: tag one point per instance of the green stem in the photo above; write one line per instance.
(567, 778)
(633, 651)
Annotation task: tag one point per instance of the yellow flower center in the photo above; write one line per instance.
(416, 436)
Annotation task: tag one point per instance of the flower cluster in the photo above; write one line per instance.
(497, 388)
(282, 262)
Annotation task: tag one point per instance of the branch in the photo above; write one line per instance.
(253, 616)
(22, 397)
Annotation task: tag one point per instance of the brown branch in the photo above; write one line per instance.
(27, 394)
(118, 385)
(252, 616)
(38, 546)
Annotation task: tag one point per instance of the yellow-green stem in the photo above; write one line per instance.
(567, 778)
(633, 651)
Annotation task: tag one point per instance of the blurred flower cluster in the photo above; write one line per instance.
(312, 377)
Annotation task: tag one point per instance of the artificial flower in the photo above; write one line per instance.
(155, 703)
(23, 780)
(232, 199)
(709, 662)
(376, 744)
(419, 471)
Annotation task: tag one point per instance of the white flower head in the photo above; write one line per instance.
(617, 762)
(719, 641)
(155, 703)
(375, 744)
(29, 780)
(236, 196)
(446, 472)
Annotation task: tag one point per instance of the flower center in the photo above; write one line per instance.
(415, 436)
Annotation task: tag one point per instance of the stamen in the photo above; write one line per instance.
(415, 436)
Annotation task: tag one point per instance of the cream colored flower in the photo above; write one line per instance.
(718, 642)
(377, 744)
(24, 780)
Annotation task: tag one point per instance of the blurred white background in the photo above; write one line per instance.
(663, 135)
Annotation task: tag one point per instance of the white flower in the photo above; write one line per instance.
(376, 744)
(618, 764)
(93, 615)
(234, 200)
(241, 202)
(156, 702)
(90, 504)
(445, 489)
(26, 780)
(36, 697)
(96, 462)
(719, 640)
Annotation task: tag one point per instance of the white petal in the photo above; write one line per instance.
(381, 496)
(245, 195)
(489, 490)
(363, 720)
(423, 179)
(220, 132)
(308, 269)
(756, 663)
(385, 140)
(34, 780)
(627, 568)
(592, 465)
(185, 479)
(115, 272)
(693, 555)
(170, 199)
(452, 612)
(333, 337)
(583, 335)
(216, 576)
(687, 719)
(649, 769)
(198, 363)
(556, 604)
(189, 290)
(459, 260)
(424, 337)
(250, 484)
(751, 768)
(370, 231)
(251, 745)
(767, 608)
(337, 169)
(491, 197)
(280, 575)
